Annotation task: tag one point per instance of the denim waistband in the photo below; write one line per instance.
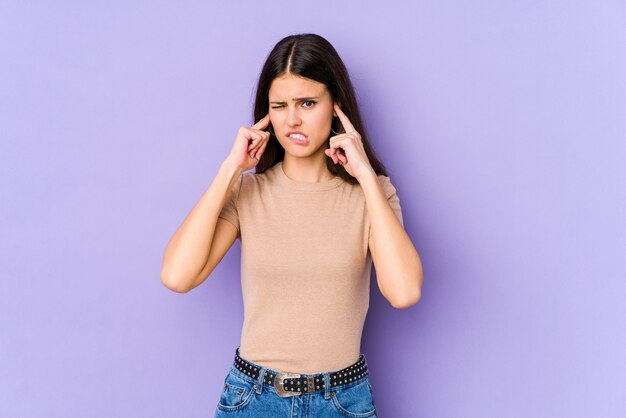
(323, 378)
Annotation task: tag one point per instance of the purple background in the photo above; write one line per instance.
(502, 125)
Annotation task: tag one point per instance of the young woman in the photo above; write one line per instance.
(311, 219)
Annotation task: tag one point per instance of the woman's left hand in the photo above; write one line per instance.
(354, 159)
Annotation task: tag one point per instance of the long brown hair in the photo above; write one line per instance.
(311, 56)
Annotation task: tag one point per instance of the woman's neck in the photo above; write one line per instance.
(307, 170)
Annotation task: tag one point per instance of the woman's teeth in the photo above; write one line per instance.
(298, 139)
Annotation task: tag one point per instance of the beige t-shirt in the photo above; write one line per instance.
(305, 268)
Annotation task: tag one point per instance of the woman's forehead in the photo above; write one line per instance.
(295, 86)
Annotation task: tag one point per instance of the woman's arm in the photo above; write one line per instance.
(398, 265)
(188, 251)
(195, 249)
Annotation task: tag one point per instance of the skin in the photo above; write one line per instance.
(290, 112)
(398, 266)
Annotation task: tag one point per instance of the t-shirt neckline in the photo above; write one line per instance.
(304, 185)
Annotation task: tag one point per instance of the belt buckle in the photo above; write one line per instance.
(278, 384)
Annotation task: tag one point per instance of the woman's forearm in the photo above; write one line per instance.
(188, 250)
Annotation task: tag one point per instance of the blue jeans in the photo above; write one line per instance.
(244, 396)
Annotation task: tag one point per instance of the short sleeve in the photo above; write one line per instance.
(392, 198)
(229, 211)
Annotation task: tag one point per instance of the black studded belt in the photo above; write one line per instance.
(292, 384)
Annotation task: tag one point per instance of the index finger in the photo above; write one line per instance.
(262, 123)
(344, 119)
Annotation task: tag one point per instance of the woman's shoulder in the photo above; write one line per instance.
(252, 180)
(387, 185)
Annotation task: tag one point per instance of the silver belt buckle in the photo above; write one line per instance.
(278, 384)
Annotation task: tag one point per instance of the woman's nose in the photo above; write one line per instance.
(293, 118)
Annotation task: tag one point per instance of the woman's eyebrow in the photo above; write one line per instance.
(297, 99)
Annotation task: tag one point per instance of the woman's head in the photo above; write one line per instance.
(306, 67)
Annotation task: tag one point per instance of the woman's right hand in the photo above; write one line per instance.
(250, 144)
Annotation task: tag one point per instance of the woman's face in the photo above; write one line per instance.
(301, 112)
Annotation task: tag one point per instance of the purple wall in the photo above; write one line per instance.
(502, 124)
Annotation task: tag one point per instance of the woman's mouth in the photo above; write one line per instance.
(298, 138)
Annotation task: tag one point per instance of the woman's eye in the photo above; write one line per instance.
(307, 104)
